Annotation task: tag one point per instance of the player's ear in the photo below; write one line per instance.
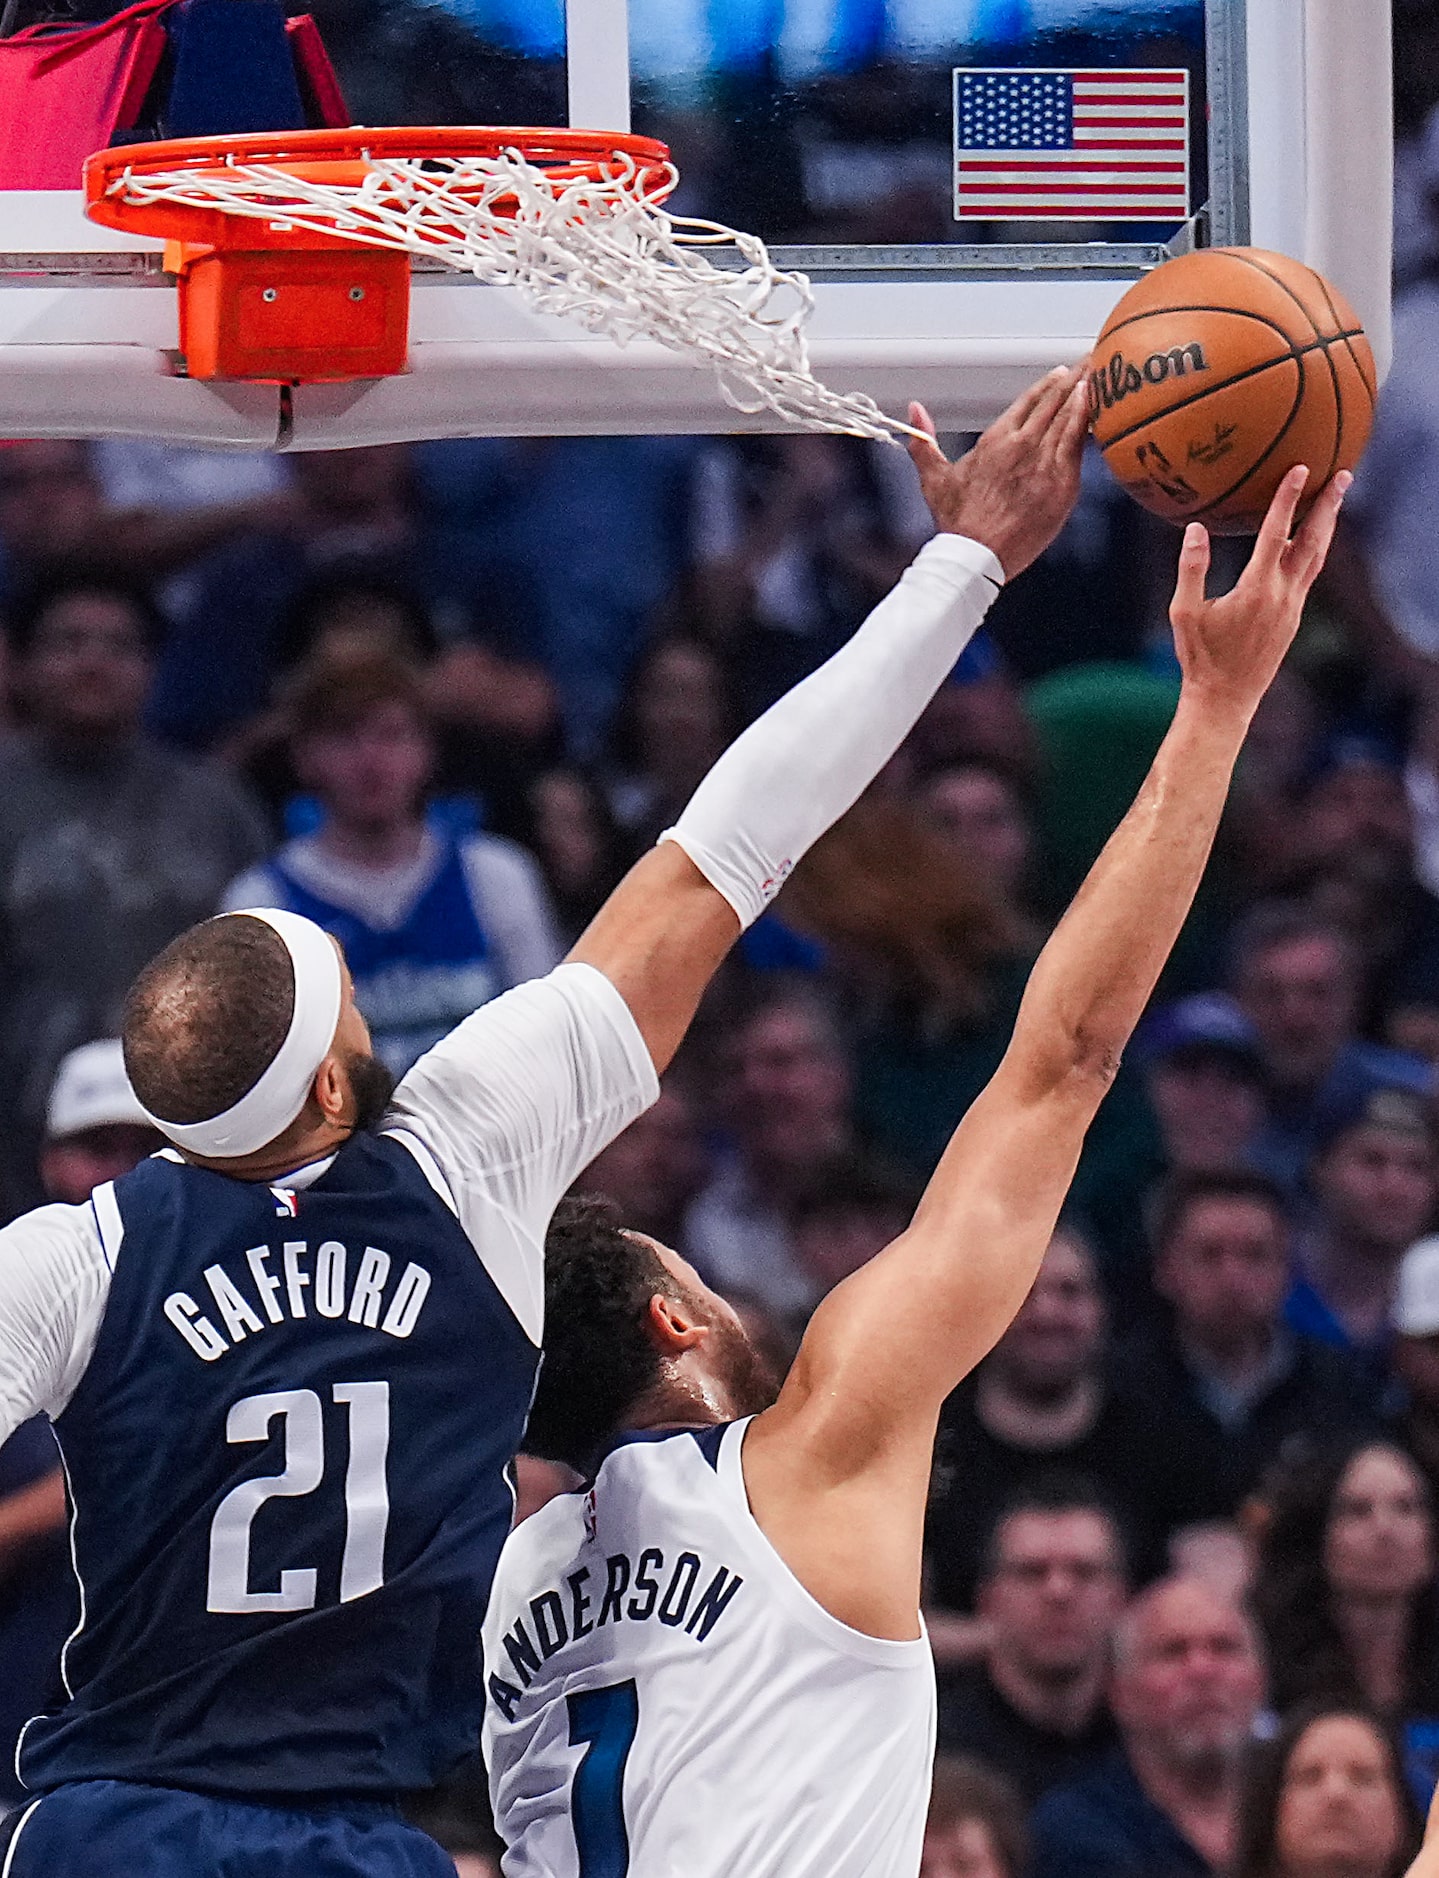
(331, 1090)
(673, 1326)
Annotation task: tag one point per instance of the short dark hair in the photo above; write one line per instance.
(1181, 1193)
(27, 613)
(1054, 1492)
(207, 1016)
(1267, 1768)
(303, 619)
(599, 1360)
(1275, 923)
(329, 695)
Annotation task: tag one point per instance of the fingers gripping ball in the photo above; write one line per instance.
(1219, 372)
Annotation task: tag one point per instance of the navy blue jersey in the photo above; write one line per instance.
(288, 1459)
(120, 1829)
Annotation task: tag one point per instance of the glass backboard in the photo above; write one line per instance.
(871, 142)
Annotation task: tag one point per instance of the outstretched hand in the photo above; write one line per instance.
(1232, 647)
(1015, 489)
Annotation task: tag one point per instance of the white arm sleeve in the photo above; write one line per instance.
(517, 1101)
(798, 768)
(54, 1279)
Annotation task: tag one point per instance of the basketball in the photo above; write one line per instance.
(1220, 371)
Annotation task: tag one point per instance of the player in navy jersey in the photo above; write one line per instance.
(711, 1661)
(290, 1358)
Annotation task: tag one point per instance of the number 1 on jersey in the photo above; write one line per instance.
(604, 1722)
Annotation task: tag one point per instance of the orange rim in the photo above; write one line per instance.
(338, 157)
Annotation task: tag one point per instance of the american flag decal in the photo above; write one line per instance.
(1050, 145)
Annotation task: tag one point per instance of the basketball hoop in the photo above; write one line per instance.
(575, 220)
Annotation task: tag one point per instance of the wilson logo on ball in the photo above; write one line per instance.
(1120, 379)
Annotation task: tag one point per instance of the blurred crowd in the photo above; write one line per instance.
(1183, 1557)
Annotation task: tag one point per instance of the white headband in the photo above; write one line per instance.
(267, 1109)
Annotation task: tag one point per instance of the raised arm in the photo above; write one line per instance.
(663, 932)
(838, 1469)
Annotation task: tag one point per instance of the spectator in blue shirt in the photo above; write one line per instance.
(1374, 1182)
(1186, 1688)
(433, 923)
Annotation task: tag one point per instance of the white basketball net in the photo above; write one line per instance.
(603, 252)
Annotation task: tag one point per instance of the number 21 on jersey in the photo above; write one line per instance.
(367, 1498)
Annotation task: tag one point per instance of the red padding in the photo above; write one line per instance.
(65, 93)
(325, 107)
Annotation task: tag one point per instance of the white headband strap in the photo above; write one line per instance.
(267, 1109)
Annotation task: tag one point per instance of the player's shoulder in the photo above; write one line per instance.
(643, 1474)
(631, 1466)
(640, 1451)
(546, 1537)
(56, 1219)
(58, 1236)
(651, 1475)
(542, 1023)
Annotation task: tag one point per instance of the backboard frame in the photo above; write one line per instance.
(88, 328)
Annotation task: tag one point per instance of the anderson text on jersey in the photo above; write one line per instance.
(632, 1592)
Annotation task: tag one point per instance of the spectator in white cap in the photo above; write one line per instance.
(95, 1129)
(1415, 1424)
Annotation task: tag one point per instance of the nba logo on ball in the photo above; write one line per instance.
(1220, 371)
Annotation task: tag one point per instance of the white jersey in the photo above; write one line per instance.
(666, 1700)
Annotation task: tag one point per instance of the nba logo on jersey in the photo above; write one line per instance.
(287, 1204)
(592, 1518)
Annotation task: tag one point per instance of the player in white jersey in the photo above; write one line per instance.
(710, 1662)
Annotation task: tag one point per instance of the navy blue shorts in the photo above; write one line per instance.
(115, 1829)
